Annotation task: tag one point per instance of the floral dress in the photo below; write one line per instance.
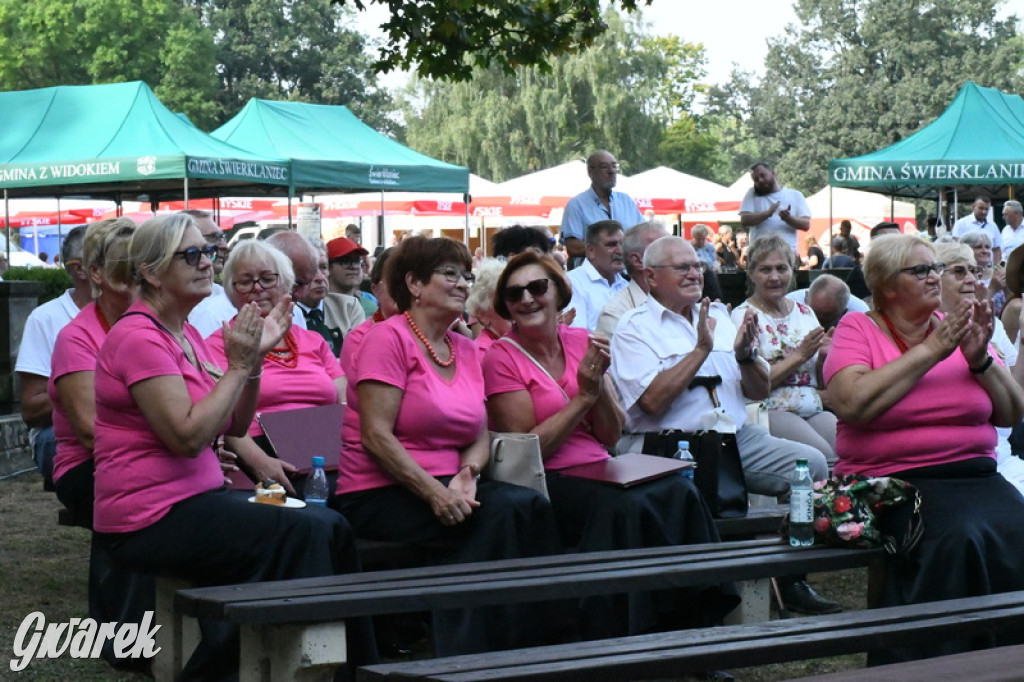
(777, 338)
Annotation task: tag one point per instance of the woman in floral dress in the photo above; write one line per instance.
(795, 346)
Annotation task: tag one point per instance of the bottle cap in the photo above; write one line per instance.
(801, 462)
(683, 445)
(318, 461)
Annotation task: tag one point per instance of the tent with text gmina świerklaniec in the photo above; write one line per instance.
(976, 146)
(332, 150)
(119, 141)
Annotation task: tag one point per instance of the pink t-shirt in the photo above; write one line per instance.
(350, 346)
(309, 383)
(75, 350)
(436, 420)
(506, 369)
(944, 418)
(138, 479)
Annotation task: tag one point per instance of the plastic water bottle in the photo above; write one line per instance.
(316, 484)
(683, 453)
(801, 506)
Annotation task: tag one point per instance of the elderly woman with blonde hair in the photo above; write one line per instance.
(480, 303)
(918, 394)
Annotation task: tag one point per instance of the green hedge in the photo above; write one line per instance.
(57, 281)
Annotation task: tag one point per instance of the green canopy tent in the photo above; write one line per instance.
(118, 141)
(331, 150)
(975, 146)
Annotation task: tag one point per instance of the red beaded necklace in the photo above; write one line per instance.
(897, 339)
(286, 356)
(430, 349)
(378, 316)
(103, 320)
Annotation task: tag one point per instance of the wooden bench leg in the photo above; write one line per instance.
(177, 636)
(755, 604)
(302, 653)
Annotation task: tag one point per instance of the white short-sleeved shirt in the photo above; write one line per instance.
(753, 203)
(590, 293)
(651, 339)
(969, 224)
(41, 329)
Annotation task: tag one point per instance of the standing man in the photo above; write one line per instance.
(769, 208)
(594, 205)
(345, 272)
(634, 243)
(977, 219)
(36, 351)
(1013, 233)
(600, 276)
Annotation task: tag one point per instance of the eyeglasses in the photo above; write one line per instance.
(537, 287)
(606, 167)
(683, 269)
(959, 272)
(452, 274)
(267, 281)
(214, 238)
(193, 255)
(921, 271)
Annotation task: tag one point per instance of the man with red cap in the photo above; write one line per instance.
(345, 273)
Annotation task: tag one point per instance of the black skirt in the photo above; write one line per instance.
(973, 545)
(593, 516)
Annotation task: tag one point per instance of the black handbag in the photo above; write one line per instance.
(719, 472)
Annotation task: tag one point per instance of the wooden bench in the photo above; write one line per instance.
(672, 654)
(294, 625)
(1000, 664)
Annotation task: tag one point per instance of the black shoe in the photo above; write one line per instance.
(800, 597)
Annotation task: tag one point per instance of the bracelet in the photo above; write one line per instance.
(984, 367)
(473, 469)
(747, 360)
(255, 377)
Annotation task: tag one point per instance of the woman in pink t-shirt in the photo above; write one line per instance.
(300, 372)
(918, 395)
(546, 378)
(71, 384)
(161, 402)
(415, 439)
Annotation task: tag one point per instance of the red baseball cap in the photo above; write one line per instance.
(342, 246)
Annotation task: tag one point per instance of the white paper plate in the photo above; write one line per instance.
(289, 502)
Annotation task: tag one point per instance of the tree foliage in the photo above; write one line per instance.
(619, 94)
(292, 49)
(76, 42)
(449, 38)
(858, 75)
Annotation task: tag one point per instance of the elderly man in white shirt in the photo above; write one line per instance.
(1013, 232)
(600, 277)
(659, 348)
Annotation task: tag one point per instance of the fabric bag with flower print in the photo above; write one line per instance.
(847, 511)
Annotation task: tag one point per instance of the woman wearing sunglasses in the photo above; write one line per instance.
(299, 372)
(546, 378)
(161, 401)
(415, 440)
(918, 394)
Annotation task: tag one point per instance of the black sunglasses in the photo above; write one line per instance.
(193, 255)
(537, 287)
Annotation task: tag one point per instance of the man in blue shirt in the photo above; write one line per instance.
(598, 203)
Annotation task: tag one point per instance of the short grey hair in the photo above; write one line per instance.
(633, 238)
(655, 253)
(976, 238)
(954, 252)
(1014, 206)
(259, 252)
(887, 255)
(762, 247)
(700, 229)
(830, 284)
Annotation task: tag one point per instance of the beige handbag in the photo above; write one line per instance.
(516, 458)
